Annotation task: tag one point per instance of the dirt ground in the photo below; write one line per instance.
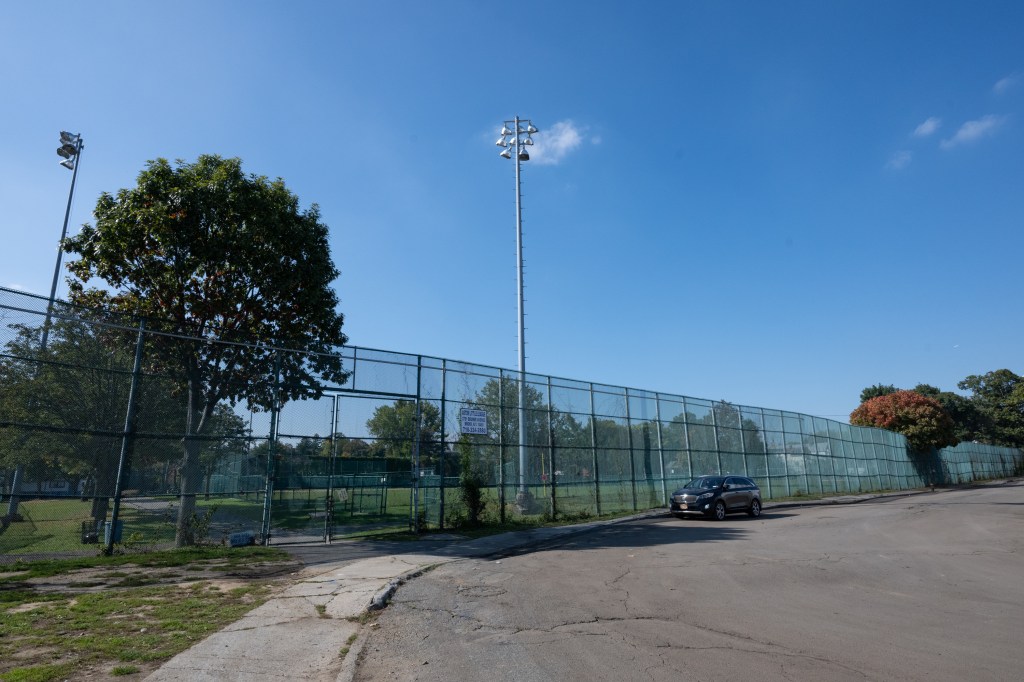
(216, 575)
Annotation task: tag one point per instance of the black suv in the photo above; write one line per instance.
(716, 496)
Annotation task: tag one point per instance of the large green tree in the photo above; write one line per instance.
(970, 422)
(394, 428)
(230, 260)
(999, 395)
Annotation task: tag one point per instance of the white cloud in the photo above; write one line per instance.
(551, 145)
(928, 127)
(899, 160)
(975, 130)
(1004, 84)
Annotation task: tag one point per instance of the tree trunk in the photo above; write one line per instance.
(191, 472)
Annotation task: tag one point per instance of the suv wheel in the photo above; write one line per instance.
(755, 508)
(720, 511)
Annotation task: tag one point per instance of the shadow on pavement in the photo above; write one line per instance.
(653, 530)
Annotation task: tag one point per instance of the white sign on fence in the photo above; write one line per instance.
(473, 421)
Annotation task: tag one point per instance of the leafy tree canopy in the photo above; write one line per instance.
(394, 427)
(921, 419)
(876, 391)
(207, 252)
(969, 422)
(999, 395)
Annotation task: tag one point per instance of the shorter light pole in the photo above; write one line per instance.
(70, 149)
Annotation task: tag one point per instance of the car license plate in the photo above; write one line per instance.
(682, 505)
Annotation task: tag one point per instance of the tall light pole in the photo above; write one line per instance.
(70, 149)
(514, 142)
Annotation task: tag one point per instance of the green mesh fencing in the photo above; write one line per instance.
(386, 449)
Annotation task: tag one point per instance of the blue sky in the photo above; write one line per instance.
(775, 204)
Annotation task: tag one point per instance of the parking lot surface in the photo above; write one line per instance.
(906, 588)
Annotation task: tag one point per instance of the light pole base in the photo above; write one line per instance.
(525, 504)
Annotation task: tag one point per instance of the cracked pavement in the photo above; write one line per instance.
(926, 587)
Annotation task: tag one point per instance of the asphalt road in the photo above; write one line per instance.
(929, 587)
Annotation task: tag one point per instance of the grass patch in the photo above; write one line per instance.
(364, 617)
(348, 645)
(120, 670)
(39, 673)
(127, 623)
(187, 557)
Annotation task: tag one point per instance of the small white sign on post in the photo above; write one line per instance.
(473, 421)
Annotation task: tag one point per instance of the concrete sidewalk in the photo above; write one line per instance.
(300, 633)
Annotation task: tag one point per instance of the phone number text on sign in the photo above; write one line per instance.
(473, 421)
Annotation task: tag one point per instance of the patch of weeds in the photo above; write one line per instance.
(25, 594)
(124, 670)
(348, 645)
(39, 673)
(137, 581)
(364, 617)
(574, 517)
(321, 610)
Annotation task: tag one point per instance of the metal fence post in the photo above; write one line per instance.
(593, 445)
(501, 446)
(275, 410)
(551, 456)
(414, 522)
(444, 444)
(329, 502)
(127, 438)
(632, 463)
(661, 448)
(714, 431)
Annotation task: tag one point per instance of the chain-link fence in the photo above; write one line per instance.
(111, 432)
